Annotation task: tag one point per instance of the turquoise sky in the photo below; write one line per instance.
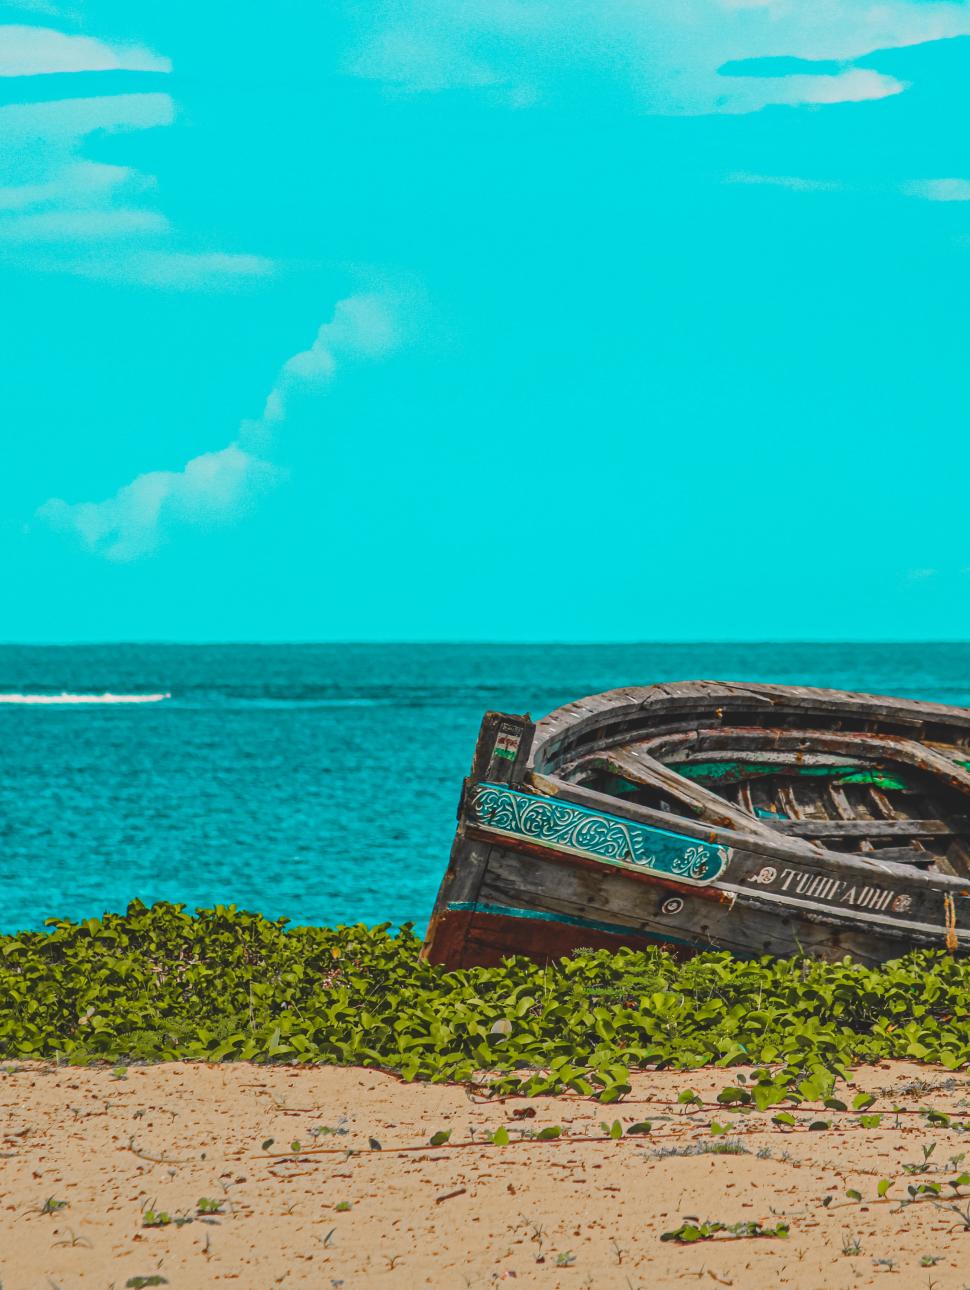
(499, 320)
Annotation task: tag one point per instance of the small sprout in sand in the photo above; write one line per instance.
(923, 1166)
(267, 1143)
(692, 1230)
(930, 1260)
(140, 1283)
(870, 1121)
(640, 1129)
(921, 1191)
(937, 1118)
(963, 1215)
(888, 1264)
(549, 1132)
(614, 1130)
(730, 1147)
(374, 1144)
(852, 1194)
(208, 1206)
(325, 1130)
(74, 1241)
(440, 1138)
(119, 1072)
(155, 1218)
(53, 1206)
(689, 1098)
(295, 1145)
(717, 1130)
(342, 1206)
(862, 1101)
(500, 1138)
(566, 1259)
(883, 1187)
(851, 1245)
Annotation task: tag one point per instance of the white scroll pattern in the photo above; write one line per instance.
(562, 824)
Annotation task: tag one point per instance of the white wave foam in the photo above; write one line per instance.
(83, 698)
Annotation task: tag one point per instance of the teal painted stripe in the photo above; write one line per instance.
(570, 920)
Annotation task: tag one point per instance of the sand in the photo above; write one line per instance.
(578, 1212)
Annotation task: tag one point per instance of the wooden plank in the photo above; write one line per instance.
(881, 804)
(846, 828)
(905, 855)
(880, 748)
(753, 924)
(639, 769)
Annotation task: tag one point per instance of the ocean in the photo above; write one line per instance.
(315, 782)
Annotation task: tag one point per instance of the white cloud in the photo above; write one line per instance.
(216, 486)
(62, 213)
(418, 62)
(364, 326)
(78, 184)
(938, 190)
(792, 182)
(80, 225)
(667, 53)
(209, 488)
(177, 270)
(854, 85)
(30, 51)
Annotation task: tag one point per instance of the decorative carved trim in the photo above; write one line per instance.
(564, 826)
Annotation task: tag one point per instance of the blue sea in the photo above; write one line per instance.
(317, 782)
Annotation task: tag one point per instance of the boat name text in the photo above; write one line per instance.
(838, 891)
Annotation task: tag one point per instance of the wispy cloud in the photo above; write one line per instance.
(211, 487)
(362, 327)
(217, 486)
(794, 183)
(932, 190)
(938, 190)
(174, 270)
(675, 58)
(31, 51)
(61, 212)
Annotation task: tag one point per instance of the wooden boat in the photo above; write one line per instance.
(753, 818)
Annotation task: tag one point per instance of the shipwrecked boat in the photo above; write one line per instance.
(711, 815)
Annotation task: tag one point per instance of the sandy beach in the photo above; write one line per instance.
(581, 1211)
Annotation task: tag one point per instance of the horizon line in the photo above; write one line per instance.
(468, 643)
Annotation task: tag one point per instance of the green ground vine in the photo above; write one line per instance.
(160, 984)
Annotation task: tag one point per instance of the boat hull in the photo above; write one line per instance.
(505, 895)
(707, 815)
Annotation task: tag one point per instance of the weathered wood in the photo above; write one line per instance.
(846, 873)
(848, 828)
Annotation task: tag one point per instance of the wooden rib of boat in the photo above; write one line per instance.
(711, 815)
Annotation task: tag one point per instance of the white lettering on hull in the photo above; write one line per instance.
(838, 891)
